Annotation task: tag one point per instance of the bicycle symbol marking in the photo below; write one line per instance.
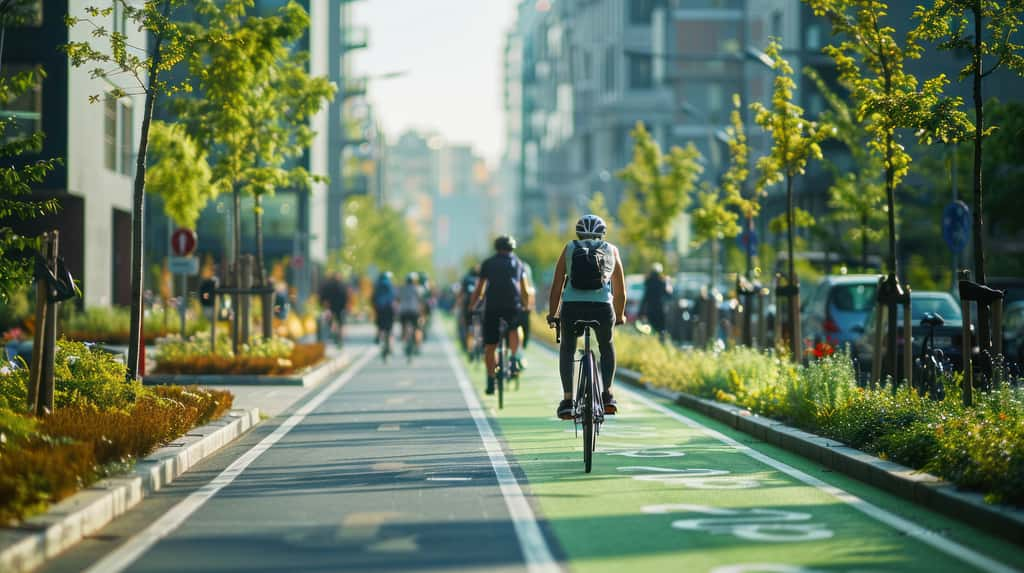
(767, 525)
(695, 478)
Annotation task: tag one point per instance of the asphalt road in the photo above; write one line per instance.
(408, 467)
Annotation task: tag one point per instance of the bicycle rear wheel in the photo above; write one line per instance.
(499, 378)
(588, 411)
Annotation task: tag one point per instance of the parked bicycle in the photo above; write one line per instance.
(589, 407)
(931, 363)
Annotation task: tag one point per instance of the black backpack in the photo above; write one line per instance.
(587, 270)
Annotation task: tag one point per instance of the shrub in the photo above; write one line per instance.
(46, 460)
(111, 325)
(271, 356)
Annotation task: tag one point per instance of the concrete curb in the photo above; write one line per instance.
(28, 545)
(329, 367)
(919, 487)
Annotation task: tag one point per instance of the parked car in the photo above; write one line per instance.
(837, 306)
(947, 337)
(1013, 331)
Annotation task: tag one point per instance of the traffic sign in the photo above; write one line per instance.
(183, 265)
(956, 226)
(183, 242)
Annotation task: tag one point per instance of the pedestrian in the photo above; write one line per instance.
(652, 305)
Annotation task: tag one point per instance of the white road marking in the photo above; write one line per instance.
(947, 546)
(439, 478)
(535, 548)
(389, 428)
(123, 557)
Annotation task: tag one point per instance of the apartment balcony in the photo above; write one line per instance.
(355, 87)
(355, 38)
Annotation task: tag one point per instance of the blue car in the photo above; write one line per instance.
(838, 307)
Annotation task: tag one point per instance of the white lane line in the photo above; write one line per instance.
(535, 548)
(123, 557)
(948, 546)
(449, 479)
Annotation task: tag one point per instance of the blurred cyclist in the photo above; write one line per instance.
(590, 285)
(463, 310)
(502, 285)
(384, 306)
(412, 299)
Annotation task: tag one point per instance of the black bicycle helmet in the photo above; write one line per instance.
(505, 243)
(590, 227)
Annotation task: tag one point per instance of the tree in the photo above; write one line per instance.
(132, 69)
(658, 189)
(377, 236)
(17, 250)
(795, 141)
(178, 173)
(545, 244)
(734, 180)
(984, 29)
(857, 196)
(254, 104)
(887, 99)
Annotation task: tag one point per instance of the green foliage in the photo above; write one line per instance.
(949, 22)
(980, 447)
(735, 177)
(88, 376)
(378, 236)
(178, 173)
(16, 250)
(545, 245)
(42, 462)
(658, 189)
(252, 116)
(795, 140)
(857, 196)
(111, 324)
(886, 98)
(711, 219)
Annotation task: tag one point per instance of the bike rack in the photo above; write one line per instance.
(973, 292)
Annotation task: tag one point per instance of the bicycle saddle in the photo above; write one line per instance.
(932, 319)
(582, 323)
(970, 290)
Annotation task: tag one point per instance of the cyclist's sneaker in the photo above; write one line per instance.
(490, 387)
(520, 364)
(610, 405)
(565, 409)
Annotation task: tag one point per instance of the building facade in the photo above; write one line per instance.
(96, 141)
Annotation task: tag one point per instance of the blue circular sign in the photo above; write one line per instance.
(956, 226)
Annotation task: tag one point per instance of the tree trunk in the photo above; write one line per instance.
(794, 297)
(984, 336)
(893, 279)
(258, 225)
(864, 243)
(138, 211)
(236, 247)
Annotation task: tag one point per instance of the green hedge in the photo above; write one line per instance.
(100, 424)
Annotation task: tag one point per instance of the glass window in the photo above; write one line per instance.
(127, 142)
(641, 72)
(110, 132)
(944, 306)
(609, 69)
(25, 109)
(640, 11)
(854, 298)
(26, 13)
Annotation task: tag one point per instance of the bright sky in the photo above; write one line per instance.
(452, 53)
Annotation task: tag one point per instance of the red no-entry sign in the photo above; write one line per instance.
(183, 242)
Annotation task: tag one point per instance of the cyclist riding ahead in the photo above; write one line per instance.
(590, 285)
(384, 309)
(502, 285)
(412, 298)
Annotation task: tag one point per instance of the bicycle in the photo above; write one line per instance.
(589, 407)
(499, 370)
(930, 364)
(476, 351)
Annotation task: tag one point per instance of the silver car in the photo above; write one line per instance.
(837, 307)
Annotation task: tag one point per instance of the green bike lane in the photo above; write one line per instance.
(674, 491)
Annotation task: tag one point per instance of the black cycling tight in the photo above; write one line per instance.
(601, 312)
